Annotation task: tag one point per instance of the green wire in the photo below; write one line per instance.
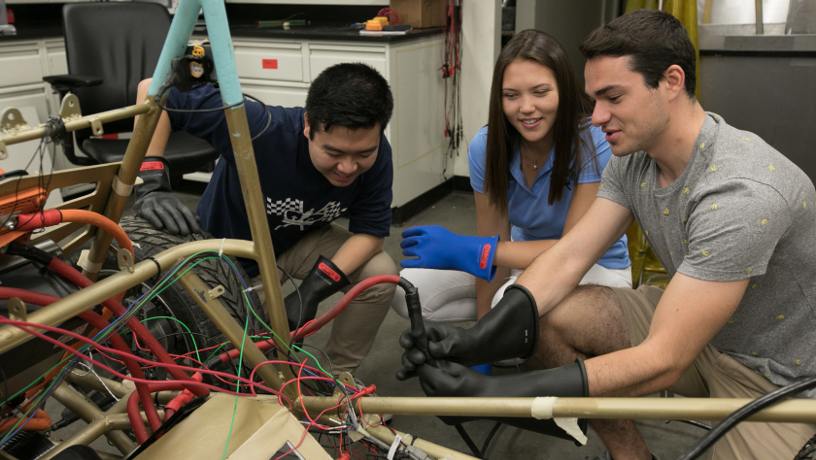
(101, 338)
(237, 387)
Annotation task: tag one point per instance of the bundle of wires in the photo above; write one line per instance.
(451, 73)
(306, 374)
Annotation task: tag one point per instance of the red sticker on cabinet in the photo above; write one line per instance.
(269, 63)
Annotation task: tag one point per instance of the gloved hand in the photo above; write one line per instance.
(324, 280)
(510, 330)
(451, 379)
(157, 204)
(438, 248)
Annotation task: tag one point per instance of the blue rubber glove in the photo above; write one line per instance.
(438, 248)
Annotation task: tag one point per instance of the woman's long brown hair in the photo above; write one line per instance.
(571, 149)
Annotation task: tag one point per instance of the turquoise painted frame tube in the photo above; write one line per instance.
(215, 16)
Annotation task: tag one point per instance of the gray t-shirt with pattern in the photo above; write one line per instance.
(739, 210)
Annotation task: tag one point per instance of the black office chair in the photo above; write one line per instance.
(111, 47)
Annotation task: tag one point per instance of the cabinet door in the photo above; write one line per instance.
(324, 56)
(20, 62)
(55, 52)
(281, 61)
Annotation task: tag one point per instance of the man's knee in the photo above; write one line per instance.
(379, 264)
(588, 322)
(572, 312)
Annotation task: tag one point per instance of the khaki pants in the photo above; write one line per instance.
(717, 375)
(354, 329)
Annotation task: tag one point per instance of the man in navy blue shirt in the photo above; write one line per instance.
(314, 164)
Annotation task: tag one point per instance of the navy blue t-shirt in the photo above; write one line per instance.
(298, 197)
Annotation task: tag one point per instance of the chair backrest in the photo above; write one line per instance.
(119, 42)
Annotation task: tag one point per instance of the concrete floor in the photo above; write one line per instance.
(457, 213)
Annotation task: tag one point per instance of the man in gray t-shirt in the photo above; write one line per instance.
(731, 219)
(738, 211)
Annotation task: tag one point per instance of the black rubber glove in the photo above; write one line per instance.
(510, 330)
(324, 280)
(157, 204)
(451, 379)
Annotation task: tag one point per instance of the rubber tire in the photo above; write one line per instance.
(148, 241)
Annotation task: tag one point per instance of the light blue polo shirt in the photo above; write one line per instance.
(529, 214)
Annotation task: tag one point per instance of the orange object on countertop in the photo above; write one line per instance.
(377, 23)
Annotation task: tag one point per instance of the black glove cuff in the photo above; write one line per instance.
(582, 367)
(534, 319)
(328, 271)
(155, 174)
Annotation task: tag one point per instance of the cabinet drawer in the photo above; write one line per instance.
(284, 96)
(20, 65)
(322, 58)
(269, 63)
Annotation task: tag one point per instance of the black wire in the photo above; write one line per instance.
(744, 412)
(300, 311)
(268, 116)
(693, 423)
(490, 437)
(217, 109)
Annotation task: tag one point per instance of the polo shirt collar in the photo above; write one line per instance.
(544, 172)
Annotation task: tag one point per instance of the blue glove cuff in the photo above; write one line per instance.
(487, 251)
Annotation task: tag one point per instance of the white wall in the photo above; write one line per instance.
(481, 39)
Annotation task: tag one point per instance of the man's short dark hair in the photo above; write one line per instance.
(654, 39)
(353, 96)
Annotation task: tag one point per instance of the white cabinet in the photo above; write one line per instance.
(23, 64)
(416, 131)
(279, 72)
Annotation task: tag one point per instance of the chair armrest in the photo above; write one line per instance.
(72, 81)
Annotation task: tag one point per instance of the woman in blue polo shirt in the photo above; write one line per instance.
(535, 170)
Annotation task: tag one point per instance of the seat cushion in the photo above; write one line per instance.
(184, 152)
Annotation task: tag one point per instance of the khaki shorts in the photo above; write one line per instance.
(717, 375)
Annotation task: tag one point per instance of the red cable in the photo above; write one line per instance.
(315, 325)
(26, 326)
(72, 275)
(95, 320)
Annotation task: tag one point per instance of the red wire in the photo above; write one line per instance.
(25, 326)
(316, 324)
(77, 278)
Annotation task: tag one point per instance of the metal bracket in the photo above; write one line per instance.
(96, 126)
(12, 120)
(125, 260)
(216, 292)
(17, 309)
(69, 109)
(346, 378)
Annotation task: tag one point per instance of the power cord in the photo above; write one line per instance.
(744, 412)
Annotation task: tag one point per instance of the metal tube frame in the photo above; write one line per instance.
(261, 250)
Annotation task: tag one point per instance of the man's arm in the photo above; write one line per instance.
(163, 128)
(356, 251)
(689, 315)
(557, 271)
(520, 254)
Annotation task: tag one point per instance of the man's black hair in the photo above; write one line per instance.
(353, 96)
(654, 39)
